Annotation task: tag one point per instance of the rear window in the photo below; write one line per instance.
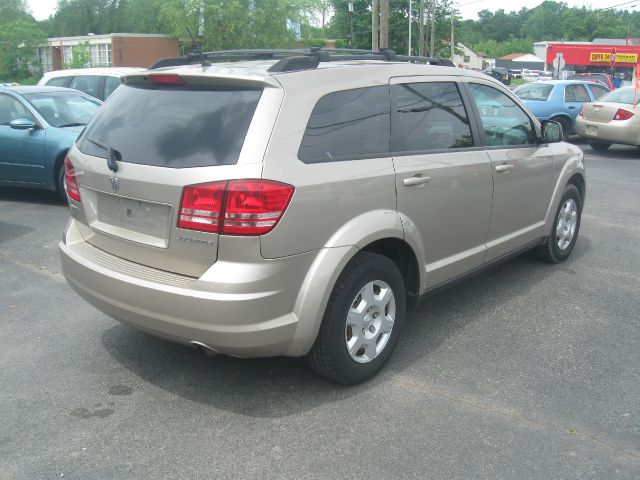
(348, 125)
(534, 91)
(621, 95)
(174, 128)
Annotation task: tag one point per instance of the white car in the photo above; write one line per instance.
(97, 82)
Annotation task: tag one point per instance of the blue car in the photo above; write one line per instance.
(559, 100)
(37, 127)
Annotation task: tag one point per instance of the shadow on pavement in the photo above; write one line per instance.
(31, 195)
(276, 387)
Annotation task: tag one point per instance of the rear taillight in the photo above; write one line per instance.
(237, 207)
(166, 79)
(70, 178)
(200, 207)
(623, 114)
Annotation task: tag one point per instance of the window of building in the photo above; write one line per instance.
(100, 55)
(67, 54)
(349, 124)
(44, 57)
(466, 58)
(429, 116)
(504, 122)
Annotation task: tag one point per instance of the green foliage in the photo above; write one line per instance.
(494, 49)
(313, 42)
(81, 56)
(19, 37)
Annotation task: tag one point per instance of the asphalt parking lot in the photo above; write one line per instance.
(529, 371)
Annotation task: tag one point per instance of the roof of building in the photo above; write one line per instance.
(106, 36)
(512, 56)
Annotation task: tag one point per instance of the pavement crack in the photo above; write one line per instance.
(509, 414)
(56, 276)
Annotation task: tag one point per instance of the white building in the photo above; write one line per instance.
(468, 58)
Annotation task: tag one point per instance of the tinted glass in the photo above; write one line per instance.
(576, 93)
(598, 91)
(11, 109)
(58, 82)
(534, 91)
(110, 84)
(429, 116)
(87, 83)
(64, 109)
(174, 128)
(349, 124)
(621, 95)
(503, 121)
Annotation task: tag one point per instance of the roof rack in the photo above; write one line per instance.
(296, 59)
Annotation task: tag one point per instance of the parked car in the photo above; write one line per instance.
(272, 207)
(500, 74)
(37, 127)
(612, 119)
(559, 100)
(97, 82)
(603, 78)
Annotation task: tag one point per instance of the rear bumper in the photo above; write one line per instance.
(239, 309)
(619, 132)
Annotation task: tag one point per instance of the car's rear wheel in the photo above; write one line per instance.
(564, 231)
(600, 146)
(362, 321)
(61, 183)
(566, 126)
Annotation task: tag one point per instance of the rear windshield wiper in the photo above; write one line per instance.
(76, 124)
(113, 155)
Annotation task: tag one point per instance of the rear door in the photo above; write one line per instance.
(164, 137)
(443, 177)
(522, 170)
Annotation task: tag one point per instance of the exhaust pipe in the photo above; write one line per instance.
(209, 351)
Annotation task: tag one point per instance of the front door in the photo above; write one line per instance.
(522, 170)
(21, 151)
(443, 177)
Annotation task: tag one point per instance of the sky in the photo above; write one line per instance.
(469, 9)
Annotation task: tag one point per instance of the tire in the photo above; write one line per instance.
(557, 247)
(348, 307)
(600, 146)
(566, 127)
(60, 182)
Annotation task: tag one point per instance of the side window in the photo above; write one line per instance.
(576, 93)
(429, 116)
(58, 82)
(503, 121)
(110, 84)
(349, 124)
(11, 109)
(86, 83)
(598, 91)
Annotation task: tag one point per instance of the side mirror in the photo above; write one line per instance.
(551, 131)
(22, 124)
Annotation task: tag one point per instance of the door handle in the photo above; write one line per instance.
(572, 107)
(415, 180)
(504, 168)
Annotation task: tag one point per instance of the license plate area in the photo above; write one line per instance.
(135, 220)
(591, 130)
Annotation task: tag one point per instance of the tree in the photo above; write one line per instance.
(18, 42)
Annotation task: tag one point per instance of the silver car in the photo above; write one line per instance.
(611, 119)
(299, 206)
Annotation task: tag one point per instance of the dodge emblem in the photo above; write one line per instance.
(115, 183)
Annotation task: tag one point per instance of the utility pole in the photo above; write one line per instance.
(433, 29)
(410, 22)
(421, 29)
(384, 23)
(453, 48)
(374, 25)
(351, 42)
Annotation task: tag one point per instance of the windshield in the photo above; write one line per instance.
(175, 128)
(621, 95)
(534, 91)
(63, 109)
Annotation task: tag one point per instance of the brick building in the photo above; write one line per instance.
(109, 50)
